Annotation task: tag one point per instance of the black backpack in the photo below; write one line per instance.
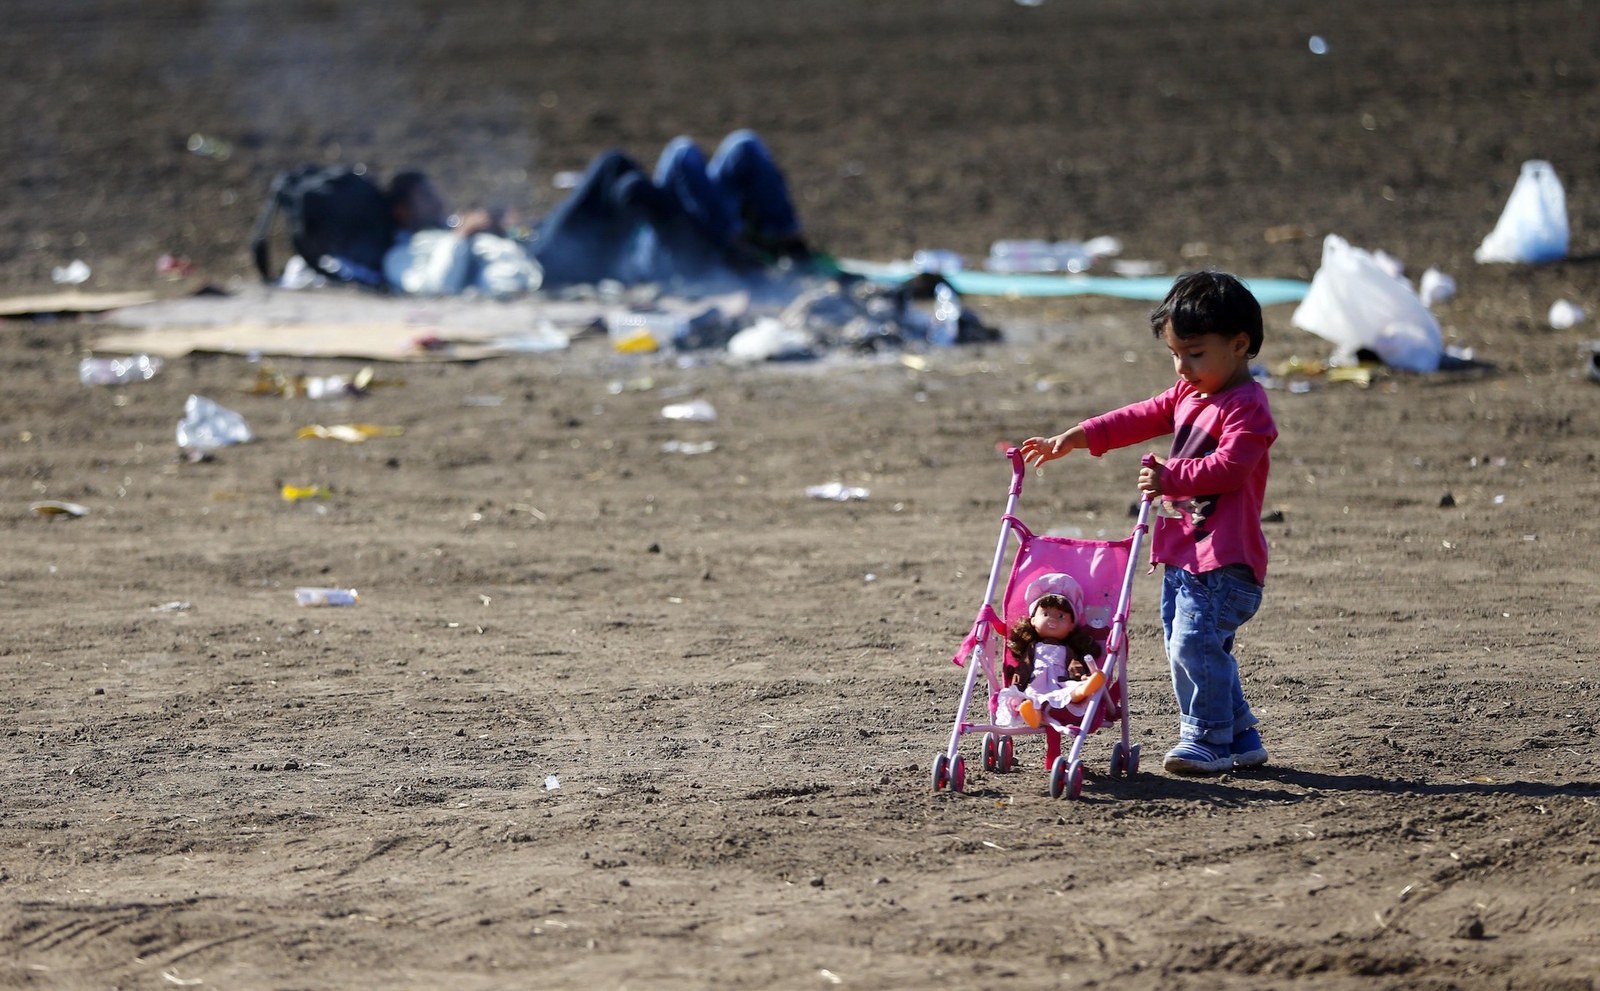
(338, 221)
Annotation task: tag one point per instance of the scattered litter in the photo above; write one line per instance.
(837, 492)
(937, 261)
(350, 433)
(1565, 315)
(825, 973)
(271, 382)
(1134, 268)
(176, 605)
(768, 339)
(686, 447)
(1499, 500)
(1029, 256)
(172, 978)
(327, 386)
(869, 578)
(694, 411)
(52, 508)
(207, 426)
(298, 274)
(642, 384)
(208, 147)
(644, 331)
(118, 371)
(566, 179)
(294, 493)
(1533, 226)
(309, 596)
(1357, 305)
(552, 783)
(485, 400)
(945, 327)
(1435, 287)
(174, 267)
(1285, 232)
(1317, 45)
(541, 340)
(73, 274)
(915, 362)
(1389, 263)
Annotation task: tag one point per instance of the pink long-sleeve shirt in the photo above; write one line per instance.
(1218, 463)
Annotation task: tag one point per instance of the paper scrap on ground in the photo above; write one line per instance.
(694, 411)
(837, 492)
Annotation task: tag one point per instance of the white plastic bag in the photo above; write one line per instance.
(1533, 227)
(1355, 304)
(206, 426)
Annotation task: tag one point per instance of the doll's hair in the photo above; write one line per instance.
(1022, 636)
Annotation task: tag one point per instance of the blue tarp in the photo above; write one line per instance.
(1153, 289)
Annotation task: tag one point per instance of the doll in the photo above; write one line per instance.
(1047, 649)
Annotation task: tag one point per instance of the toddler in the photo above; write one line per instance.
(1211, 487)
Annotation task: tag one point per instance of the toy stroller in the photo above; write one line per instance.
(1104, 569)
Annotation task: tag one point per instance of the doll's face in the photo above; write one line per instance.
(1051, 622)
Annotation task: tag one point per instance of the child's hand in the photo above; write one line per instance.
(1077, 670)
(1037, 450)
(1150, 478)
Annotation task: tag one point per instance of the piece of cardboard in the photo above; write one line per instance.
(72, 302)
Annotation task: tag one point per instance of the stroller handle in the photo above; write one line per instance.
(1019, 468)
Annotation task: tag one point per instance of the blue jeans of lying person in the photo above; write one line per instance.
(617, 224)
(739, 193)
(1200, 614)
(687, 222)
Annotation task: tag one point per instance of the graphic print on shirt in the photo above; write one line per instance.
(1190, 440)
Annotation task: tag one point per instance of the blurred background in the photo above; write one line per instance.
(1225, 132)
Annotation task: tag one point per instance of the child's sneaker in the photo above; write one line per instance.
(1247, 749)
(1195, 757)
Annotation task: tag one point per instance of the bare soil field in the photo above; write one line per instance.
(738, 688)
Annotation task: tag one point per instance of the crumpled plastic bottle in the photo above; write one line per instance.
(118, 371)
(207, 426)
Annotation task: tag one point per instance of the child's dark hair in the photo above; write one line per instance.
(1022, 636)
(1202, 303)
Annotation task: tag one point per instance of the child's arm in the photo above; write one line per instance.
(1118, 428)
(1037, 450)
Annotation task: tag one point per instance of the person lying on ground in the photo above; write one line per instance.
(429, 257)
(694, 220)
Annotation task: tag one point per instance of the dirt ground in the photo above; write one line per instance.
(740, 689)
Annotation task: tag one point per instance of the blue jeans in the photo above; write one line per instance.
(686, 222)
(740, 192)
(1200, 614)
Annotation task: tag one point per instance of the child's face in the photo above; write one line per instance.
(1051, 622)
(1210, 362)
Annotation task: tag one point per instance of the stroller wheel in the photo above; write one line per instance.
(991, 753)
(958, 774)
(1058, 777)
(1119, 760)
(1008, 757)
(1133, 760)
(941, 772)
(1075, 780)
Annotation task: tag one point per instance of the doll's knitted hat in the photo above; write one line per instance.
(1056, 584)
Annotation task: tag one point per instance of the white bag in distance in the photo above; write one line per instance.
(1533, 227)
(1355, 304)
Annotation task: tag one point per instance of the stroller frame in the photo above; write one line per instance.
(985, 645)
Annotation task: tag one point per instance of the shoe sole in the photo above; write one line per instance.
(1178, 765)
(1250, 758)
